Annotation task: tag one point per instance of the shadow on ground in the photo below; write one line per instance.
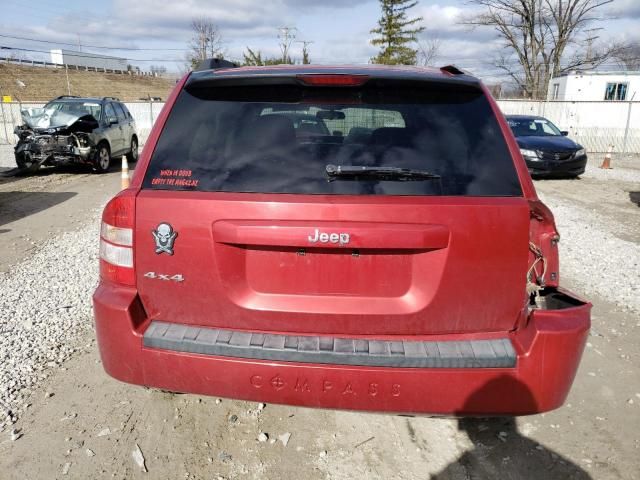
(499, 450)
(635, 198)
(8, 175)
(17, 205)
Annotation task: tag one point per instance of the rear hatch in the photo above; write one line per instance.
(302, 204)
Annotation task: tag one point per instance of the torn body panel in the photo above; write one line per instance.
(53, 137)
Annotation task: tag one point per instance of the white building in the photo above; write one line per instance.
(84, 59)
(595, 86)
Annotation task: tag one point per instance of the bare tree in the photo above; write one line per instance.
(537, 33)
(286, 35)
(206, 41)
(629, 56)
(428, 50)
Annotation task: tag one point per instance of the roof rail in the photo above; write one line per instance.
(111, 98)
(66, 96)
(215, 64)
(452, 69)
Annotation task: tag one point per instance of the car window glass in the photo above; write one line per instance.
(247, 144)
(532, 127)
(126, 110)
(109, 112)
(546, 128)
(77, 108)
(119, 112)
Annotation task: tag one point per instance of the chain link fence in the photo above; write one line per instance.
(144, 113)
(595, 125)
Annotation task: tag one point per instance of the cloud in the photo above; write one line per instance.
(625, 9)
(314, 4)
(444, 22)
(338, 28)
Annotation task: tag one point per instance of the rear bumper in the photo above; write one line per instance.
(548, 351)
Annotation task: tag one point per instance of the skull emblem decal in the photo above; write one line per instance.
(165, 236)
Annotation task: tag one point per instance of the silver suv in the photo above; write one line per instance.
(76, 130)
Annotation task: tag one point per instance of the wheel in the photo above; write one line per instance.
(102, 160)
(132, 156)
(26, 164)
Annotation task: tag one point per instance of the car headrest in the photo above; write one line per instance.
(272, 131)
(391, 136)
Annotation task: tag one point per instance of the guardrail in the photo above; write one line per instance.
(38, 63)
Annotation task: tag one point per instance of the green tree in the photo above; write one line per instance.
(396, 33)
(254, 58)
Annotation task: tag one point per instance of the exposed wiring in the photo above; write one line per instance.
(535, 282)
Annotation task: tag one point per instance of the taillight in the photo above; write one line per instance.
(333, 80)
(116, 239)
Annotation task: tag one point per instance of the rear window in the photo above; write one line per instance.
(280, 139)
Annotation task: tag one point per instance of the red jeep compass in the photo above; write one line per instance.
(364, 238)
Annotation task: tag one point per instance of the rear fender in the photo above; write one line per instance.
(543, 233)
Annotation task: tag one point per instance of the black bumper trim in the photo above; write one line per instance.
(494, 353)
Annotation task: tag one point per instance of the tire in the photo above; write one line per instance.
(102, 160)
(25, 164)
(132, 156)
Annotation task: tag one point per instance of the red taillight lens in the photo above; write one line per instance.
(116, 239)
(333, 80)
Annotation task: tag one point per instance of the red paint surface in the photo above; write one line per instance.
(417, 268)
(549, 349)
(448, 267)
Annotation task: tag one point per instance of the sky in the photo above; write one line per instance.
(339, 29)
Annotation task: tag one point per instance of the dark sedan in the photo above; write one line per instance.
(547, 150)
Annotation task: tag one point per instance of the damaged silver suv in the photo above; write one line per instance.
(76, 130)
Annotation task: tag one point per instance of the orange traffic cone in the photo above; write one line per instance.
(606, 163)
(124, 182)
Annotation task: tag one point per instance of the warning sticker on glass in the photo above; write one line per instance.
(175, 178)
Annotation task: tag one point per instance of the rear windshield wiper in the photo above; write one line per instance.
(384, 173)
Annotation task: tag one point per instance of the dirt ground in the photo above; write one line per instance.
(43, 205)
(83, 424)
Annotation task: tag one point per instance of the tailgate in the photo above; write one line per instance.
(393, 266)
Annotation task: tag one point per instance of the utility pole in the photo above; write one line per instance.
(4, 119)
(590, 39)
(286, 36)
(305, 51)
(203, 45)
(66, 72)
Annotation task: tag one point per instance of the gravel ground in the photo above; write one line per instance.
(45, 306)
(45, 320)
(7, 160)
(594, 258)
(621, 173)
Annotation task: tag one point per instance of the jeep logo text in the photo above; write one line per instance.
(322, 237)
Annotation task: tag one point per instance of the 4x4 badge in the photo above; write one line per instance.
(165, 236)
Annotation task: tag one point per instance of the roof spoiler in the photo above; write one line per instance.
(452, 69)
(215, 64)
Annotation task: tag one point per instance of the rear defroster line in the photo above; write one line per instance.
(493, 353)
